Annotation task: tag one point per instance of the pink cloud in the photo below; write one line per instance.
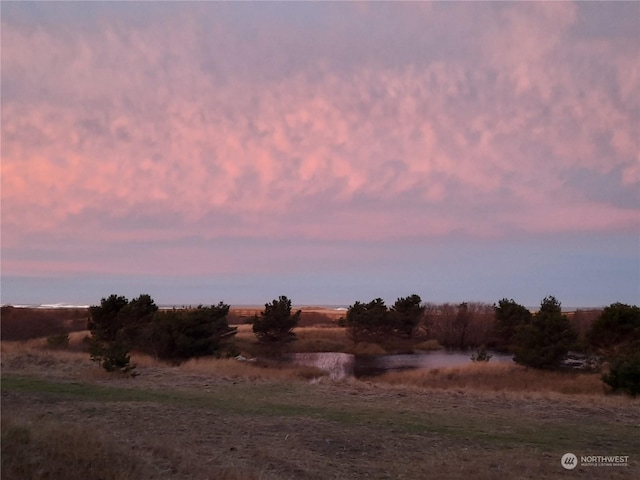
(133, 123)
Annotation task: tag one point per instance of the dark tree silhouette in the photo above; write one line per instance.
(276, 323)
(546, 340)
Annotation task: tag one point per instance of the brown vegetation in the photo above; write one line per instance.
(459, 326)
(499, 377)
(63, 417)
(310, 316)
(49, 449)
(308, 339)
(582, 320)
(26, 323)
(443, 323)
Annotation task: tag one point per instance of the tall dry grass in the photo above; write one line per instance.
(308, 339)
(49, 449)
(321, 339)
(245, 341)
(76, 348)
(34, 357)
(309, 316)
(231, 368)
(498, 377)
(37, 352)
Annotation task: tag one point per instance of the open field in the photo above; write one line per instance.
(223, 419)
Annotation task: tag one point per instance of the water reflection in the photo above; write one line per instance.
(341, 365)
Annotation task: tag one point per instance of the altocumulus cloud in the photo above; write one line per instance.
(156, 129)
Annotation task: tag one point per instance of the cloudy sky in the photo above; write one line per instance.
(330, 152)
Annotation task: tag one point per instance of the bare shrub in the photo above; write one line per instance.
(462, 326)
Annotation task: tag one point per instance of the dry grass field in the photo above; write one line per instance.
(499, 377)
(64, 418)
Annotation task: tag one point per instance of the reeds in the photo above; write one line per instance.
(321, 339)
(498, 377)
(308, 339)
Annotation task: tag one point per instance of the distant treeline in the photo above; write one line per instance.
(441, 322)
(24, 323)
(539, 340)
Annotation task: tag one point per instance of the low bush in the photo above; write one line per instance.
(429, 345)
(624, 372)
(481, 355)
(367, 348)
(617, 326)
(60, 340)
(112, 356)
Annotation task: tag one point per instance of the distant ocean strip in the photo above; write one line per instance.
(344, 308)
(162, 307)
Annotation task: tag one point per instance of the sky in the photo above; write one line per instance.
(330, 152)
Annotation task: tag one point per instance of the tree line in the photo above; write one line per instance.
(539, 340)
(119, 325)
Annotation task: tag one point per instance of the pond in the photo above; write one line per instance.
(341, 365)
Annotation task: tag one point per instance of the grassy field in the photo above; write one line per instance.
(62, 417)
